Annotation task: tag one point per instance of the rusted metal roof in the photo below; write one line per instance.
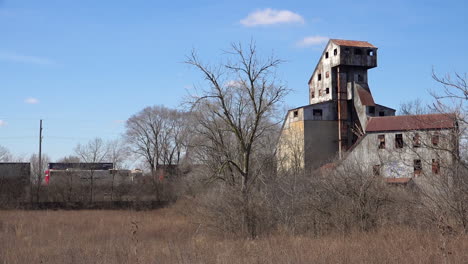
(411, 122)
(352, 43)
(365, 96)
(397, 180)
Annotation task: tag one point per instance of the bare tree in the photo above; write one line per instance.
(36, 174)
(414, 107)
(96, 150)
(5, 154)
(234, 112)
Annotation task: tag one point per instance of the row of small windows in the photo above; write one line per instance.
(357, 51)
(417, 167)
(319, 76)
(317, 114)
(416, 140)
(320, 92)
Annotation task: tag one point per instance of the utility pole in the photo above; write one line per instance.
(39, 176)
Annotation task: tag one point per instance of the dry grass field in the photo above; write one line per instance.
(165, 236)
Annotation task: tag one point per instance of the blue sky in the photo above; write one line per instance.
(86, 66)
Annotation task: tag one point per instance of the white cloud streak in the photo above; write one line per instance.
(312, 41)
(270, 16)
(18, 58)
(31, 100)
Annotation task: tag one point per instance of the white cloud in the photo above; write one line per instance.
(312, 41)
(270, 17)
(31, 100)
(14, 57)
(233, 83)
(2, 123)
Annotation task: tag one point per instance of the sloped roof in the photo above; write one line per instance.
(352, 43)
(365, 96)
(397, 180)
(410, 122)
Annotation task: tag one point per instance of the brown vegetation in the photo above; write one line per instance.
(165, 236)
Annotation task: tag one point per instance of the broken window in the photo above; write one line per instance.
(360, 78)
(381, 141)
(327, 90)
(335, 52)
(317, 113)
(357, 52)
(435, 139)
(398, 140)
(371, 109)
(417, 166)
(312, 94)
(296, 113)
(435, 166)
(319, 76)
(381, 113)
(376, 170)
(327, 74)
(326, 55)
(370, 52)
(320, 92)
(416, 141)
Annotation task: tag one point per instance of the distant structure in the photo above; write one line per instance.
(342, 121)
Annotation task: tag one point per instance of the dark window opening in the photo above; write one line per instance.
(357, 52)
(381, 141)
(370, 52)
(416, 141)
(296, 113)
(360, 78)
(312, 94)
(317, 113)
(381, 113)
(417, 166)
(326, 55)
(371, 109)
(335, 52)
(376, 170)
(399, 141)
(327, 74)
(346, 50)
(435, 166)
(435, 139)
(327, 90)
(319, 76)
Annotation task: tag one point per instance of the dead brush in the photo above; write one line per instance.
(135, 241)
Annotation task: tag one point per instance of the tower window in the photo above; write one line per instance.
(417, 166)
(381, 139)
(327, 90)
(370, 52)
(398, 140)
(381, 113)
(327, 74)
(319, 76)
(371, 109)
(296, 113)
(312, 94)
(335, 52)
(326, 55)
(357, 52)
(320, 92)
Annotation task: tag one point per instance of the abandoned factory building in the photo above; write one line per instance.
(343, 122)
